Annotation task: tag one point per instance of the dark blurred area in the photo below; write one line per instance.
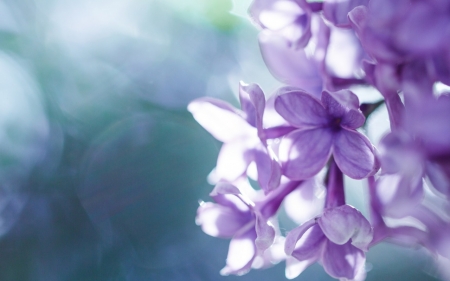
(101, 165)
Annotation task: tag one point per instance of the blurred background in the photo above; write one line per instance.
(101, 165)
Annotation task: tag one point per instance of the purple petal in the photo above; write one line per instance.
(309, 246)
(290, 19)
(269, 171)
(265, 234)
(292, 67)
(357, 18)
(343, 261)
(346, 98)
(232, 161)
(220, 221)
(228, 195)
(353, 119)
(343, 223)
(241, 254)
(294, 235)
(354, 154)
(299, 108)
(223, 188)
(303, 153)
(439, 176)
(253, 103)
(294, 267)
(334, 108)
(344, 105)
(336, 10)
(220, 119)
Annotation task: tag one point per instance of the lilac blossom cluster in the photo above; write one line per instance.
(308, 134)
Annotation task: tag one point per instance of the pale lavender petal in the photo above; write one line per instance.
(223, 188)
(343, 261)
(309, 246)
(232, 161)
(343, 223)
(289, 18)
(269, 171)
(336, 11)
(220, 221)
(265, 234)
(253, 103)
(241, 254)
(290, 66)
(220, 119)
(354, 154)
(294, 235)
(229, 195)
(294, 267)
(299, 108)
(303, 153)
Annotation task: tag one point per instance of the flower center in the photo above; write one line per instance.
(335, 124)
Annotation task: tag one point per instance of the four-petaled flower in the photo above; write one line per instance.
(338, 239)
(325, 127)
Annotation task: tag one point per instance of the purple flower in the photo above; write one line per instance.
(325, 127)
(290, 19)
(233, 217)
(247, 223)
(331, 60)
(242, 134)
(338, 239)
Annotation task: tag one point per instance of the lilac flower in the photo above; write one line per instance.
(337, 239)
(247, 223)
(290, 19)
(319, 65)
(326, 127)
(242, 134)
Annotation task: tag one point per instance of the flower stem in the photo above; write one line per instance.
(335, 186)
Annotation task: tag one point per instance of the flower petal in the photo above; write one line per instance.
(336, 11)
(354, 154)
(230, 196)
(294, 267)
(299, 108)
(220, 221)
(288, 18)
(265, 234)
(290, 66)
(303, 153)
(344, 105)
(309, 246)
(241, 254)
(220, 119)
(294, 235)
(232, 161)
(253, 103)
(343, 223)
(269, 171)
(343, 261)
